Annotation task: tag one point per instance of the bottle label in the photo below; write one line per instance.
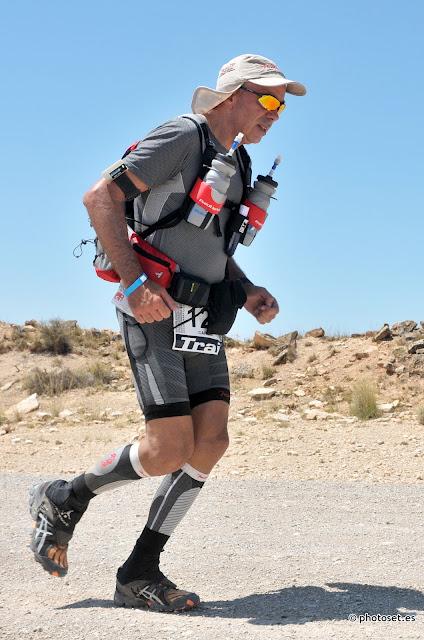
(256, 215)
(202, 194)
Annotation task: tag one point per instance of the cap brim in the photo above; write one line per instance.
(293, 87)
(205, 99)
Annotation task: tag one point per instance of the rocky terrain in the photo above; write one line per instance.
(291, 412)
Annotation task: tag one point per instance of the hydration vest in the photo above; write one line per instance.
(155, 262)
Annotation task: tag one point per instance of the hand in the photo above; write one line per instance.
(260, 303)
(151, 303)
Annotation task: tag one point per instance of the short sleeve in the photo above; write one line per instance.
(162, 154)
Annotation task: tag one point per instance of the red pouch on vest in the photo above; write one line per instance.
(155, 264)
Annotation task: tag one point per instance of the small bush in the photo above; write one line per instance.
(242, 371)
(420, 414)
(52, 383)
(268, 372)
(2, 418)
(4, 348)
(363, 402)
(55, 407)
(19, 339)
(54, 338)
(55, 382)
(312, 357)
(101, 373)
(89, 338)
(233, 342)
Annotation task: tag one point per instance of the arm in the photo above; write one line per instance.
(260, 303)
(105, 206)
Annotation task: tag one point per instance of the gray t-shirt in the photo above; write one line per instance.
(168, 161)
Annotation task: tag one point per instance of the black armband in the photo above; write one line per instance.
(117, 173)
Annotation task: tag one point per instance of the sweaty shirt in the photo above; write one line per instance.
(168, 160)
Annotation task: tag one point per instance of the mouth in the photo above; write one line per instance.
(264, 129)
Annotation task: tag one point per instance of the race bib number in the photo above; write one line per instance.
(190, 331)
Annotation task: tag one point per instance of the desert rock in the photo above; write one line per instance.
(270, 382)
(262, 393)
(264, 340)
(419, 344)
(399, 328)
(24, 406)
(387, 407)
(383, 334)
(315, 333)
(8, 385)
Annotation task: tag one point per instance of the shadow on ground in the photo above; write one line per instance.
(297, 605)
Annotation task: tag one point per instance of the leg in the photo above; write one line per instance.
(57, 506)
(178, 490)
(210, 434)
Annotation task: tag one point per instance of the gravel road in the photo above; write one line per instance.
(270, 559)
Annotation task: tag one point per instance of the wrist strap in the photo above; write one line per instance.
(136, 284)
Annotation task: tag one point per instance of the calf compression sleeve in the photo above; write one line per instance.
(172, 500)
(115, 469)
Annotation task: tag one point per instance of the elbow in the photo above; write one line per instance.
(89, 198)
(96, 197)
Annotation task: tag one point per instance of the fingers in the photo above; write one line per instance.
(265, 314)
(151, 303)
(170, 302)
(152, 312)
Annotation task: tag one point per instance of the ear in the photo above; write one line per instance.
(232, 100)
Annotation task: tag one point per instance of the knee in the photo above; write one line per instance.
(216, 444)
(162, 457)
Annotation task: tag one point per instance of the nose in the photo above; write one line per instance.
(273, 115)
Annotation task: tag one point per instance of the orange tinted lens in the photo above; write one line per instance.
(270, 103)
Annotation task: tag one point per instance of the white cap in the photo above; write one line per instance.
(245, 68)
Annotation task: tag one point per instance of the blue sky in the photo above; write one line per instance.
(342, 247)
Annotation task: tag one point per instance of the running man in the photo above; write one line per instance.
(184, 395)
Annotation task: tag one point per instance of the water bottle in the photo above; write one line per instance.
(210, 193)
(258, 201)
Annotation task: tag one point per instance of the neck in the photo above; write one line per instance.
(223, 130)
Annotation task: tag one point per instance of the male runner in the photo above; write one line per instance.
(184, 395)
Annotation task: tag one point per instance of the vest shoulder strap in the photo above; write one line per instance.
(209, 152)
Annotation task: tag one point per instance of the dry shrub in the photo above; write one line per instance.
(363, 403)
(19, 339)
(312, 357)
(268, 372)
(242, 370)
(89, 338)
(55, 382)
(54, 337)
(101, 373)
(234, 342)
(420, 414)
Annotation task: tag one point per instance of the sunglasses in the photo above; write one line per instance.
(270, 103)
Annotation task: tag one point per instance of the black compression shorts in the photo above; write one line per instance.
(170, 383)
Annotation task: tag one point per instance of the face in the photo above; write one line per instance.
(253, 119)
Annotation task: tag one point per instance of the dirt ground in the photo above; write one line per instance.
(269, 438)
(310, 523)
